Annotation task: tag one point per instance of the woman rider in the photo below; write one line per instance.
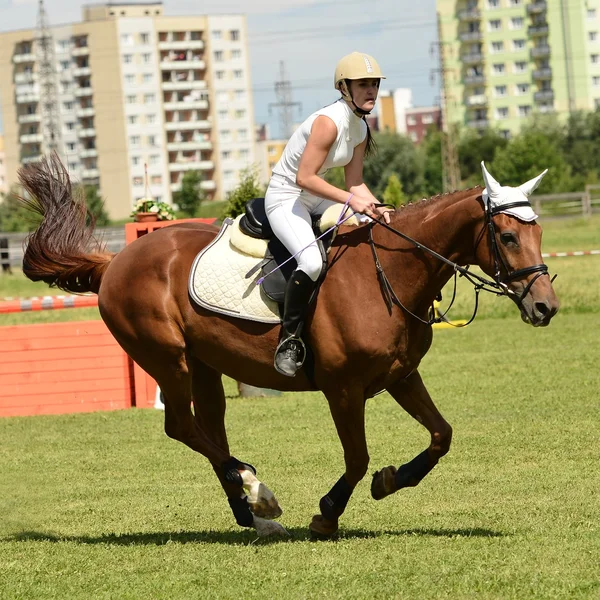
(335, 136)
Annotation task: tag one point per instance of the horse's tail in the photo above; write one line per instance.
(62, 251)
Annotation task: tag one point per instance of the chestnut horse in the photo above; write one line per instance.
(361, 345)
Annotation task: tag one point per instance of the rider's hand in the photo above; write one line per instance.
(366, 205)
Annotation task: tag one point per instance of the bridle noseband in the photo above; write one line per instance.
(497, 286)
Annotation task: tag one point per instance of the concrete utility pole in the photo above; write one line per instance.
(283, 93)
(50, 126)
(450, 168)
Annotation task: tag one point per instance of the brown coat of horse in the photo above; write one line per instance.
(360, 346)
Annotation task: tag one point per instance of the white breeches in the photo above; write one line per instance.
(289, 210)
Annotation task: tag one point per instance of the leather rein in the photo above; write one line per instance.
(497, 286)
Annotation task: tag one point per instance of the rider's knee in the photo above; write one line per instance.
(311, 262)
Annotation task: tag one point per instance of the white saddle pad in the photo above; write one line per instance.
(217, 281)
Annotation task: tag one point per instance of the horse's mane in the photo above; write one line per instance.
(416, 208)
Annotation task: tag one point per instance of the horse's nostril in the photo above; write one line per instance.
(542, 308)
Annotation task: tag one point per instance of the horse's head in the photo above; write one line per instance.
(512, 254)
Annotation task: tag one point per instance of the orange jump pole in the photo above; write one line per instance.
(18, 305)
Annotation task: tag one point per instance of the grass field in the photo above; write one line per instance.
(106, 506)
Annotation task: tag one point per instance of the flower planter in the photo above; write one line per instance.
(145, 217)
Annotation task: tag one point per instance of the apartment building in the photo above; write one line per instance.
(137, 92)
(3, 181)
(420, 120)
(507, 59)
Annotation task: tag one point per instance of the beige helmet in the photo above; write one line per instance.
(355, 66)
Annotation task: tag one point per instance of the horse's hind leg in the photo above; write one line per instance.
(209, 412)
(412, 395)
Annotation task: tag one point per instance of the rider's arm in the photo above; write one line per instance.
(353, 172)
(318, 145)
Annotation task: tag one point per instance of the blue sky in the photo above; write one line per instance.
(308, 35)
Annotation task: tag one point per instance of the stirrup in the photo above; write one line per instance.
(291, 362)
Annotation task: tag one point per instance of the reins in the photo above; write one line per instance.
(497, 286)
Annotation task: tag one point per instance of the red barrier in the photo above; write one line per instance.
(576, 253)
(46, 303)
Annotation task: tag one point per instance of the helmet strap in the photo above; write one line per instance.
(346, 95)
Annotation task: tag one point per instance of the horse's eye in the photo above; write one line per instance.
(509, 239)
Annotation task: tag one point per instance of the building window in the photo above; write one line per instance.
(127, 59)
(518, 45)
(151, 139)
(593, 36)
(145, 38)
(150, 119)
(131, 99)
(595, 58)
(154, 159)
(71, 146)
(226, 154)
(244, 153)
(240, 94)
(129, 79)
(500, 90)
(218, 54)
(235, 54)
(591, 13)
(72, 167)
(138, 181)
(498, 68)
(156, 180)
(495, 25)
(493, 3)
(411, 120)
(516, 23)
(146, 57)
(238, 74)
(225, 135)
(70, 126)
(216, 34)
(522, 88)
(596, 80)
(132, 119)
(597, 103)
(520, 66)
(240, 113)
(516, 2)
(234, 35)
(223, 113)
(497, 47)
(219, 74)
(65, 64)
(502, 112)
(242, 134)
(505, 133)
(149, 98)
(68, 106)
(524, 111)
(148, 77)
(134, 140)
(136, 160)
(427, 119)
(126, 39)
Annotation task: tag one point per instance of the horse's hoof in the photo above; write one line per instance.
(322, 528)
(383, 483)
(265, 528)
(266, 509)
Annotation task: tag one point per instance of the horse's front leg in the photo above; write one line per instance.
(412, 395)
(348, 411)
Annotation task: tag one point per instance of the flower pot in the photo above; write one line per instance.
(145, 217)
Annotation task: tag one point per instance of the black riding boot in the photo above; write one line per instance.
(291, 352)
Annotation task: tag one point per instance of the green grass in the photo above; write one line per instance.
(106, 506)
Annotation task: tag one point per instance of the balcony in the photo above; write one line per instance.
(82, 72)
(540, 51)
(183, 105)
(474, 79)
(88, 153)
(86, 133)
(535, 30)
(82, 113)
(80, 51)
(544, 96)
(186, 125)
(31, 158)
(472, 58)
(478, 123)
(470, 14)
(32, 138)
(542, 74)
(24, 58)
(83, 91)
(470, 36)
(193, 165)
(182, 45)
(25, 77)
(192, 84)
(208, 186)
(23, 119)
(90, 174)
(168, 65)
(537, 8)
(177, 146)
(28, 98)
(477, 100)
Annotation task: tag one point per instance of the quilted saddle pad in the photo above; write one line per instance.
(217, 281)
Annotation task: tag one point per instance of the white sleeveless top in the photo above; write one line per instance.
(351, 132)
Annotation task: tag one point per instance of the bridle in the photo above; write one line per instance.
(498, 285)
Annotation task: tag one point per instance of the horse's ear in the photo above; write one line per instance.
(491, 185)
(527, 188)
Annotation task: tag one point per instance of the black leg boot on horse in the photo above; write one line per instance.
(291, 352)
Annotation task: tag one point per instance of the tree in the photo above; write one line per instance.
(398, 155)
(95, 204)
(526, 156)
(393, 193)
(431, 150)
(248, 188)
(191, 196)
(475, 146)
(15, 216)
